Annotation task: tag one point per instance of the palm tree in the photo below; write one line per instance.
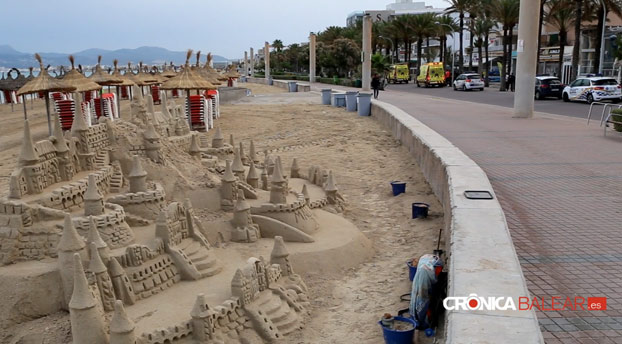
(577, 40)
(404, 31)
(481, 28)
(506, 13)
(614, 6)
(561, 14)
(446, 26)
(540, 21)
(423, 27)
(460, 7)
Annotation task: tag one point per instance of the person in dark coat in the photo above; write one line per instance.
(375, 85)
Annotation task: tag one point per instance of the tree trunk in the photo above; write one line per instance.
(428, 51)
(486, 79)
(576, 49)
(562, 41)
(444, 49)
(461, 56)
(505, 51)
(480, 68)
(471, 23)
(419, 42)
(542, 2)
(598, 41)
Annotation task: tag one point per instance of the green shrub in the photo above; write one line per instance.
(616, 116)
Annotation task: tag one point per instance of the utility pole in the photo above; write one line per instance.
(266, 54)
(252, 62)
(527, 54)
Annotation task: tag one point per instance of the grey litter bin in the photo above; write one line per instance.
(339, 99)
(270, 81)
(364, 104)
(351, 101)
(243, 79)
(292, 86)
(326, 96)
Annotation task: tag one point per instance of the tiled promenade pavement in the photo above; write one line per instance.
(560, 185)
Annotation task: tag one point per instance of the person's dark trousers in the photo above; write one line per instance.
(376, 92)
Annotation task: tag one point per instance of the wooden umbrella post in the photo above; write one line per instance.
(25, 112)
(47, 110)
(118, 102)
(188, 110)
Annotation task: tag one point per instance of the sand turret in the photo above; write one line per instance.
(265, 183)
(243, 156)
(102, 279)
(138, 176)
(27, 155)
(151, 140)
(280, 255)
(70, 243)
(231, 141)
(228, 188)
(79, 123)
(123, 289)
(268, 163)
(164, 107)
(95, 238)
(278, 186)
(59, 139)
(252, 178)
(252, 154)
(218, 139)
(150, 106)
(244, 228)
(194, 150)
(237, 167)
(305, 192)
(93, 200)
(121, 327)
(87, 323)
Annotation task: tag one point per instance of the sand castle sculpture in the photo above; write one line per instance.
(82, 205)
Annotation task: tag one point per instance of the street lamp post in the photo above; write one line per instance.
(453, 53)
(390, 40)
(602, 38)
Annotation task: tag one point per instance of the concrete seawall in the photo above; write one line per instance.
(482, 259)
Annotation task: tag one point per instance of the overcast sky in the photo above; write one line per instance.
(224, 27)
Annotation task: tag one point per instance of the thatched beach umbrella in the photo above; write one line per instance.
(187, 80)
(79, 81)
(211, 69)
(169, 71)
(43, 83)
(103, 78)
(203, 72)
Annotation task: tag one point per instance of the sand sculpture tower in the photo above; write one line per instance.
(295, 169)
(94, 238)
(264, 179)
(79, 124)
(280, 256)
(194, 150)
(87, 323)
(138, 176)
(228, 188)
(237, 167)
(218, 140)
(332, 194)
(121, 327)
(65, 165)
(28, 160)
(231, 141)
(252, 154)
(202, 319)
(150, 106)
(243, 156)
(151, 140)
(244, 228)
(305, 192)
(102, 279)
(123, 289)
(252, 178)
(93, 200)
(278, 186)
(69, 244)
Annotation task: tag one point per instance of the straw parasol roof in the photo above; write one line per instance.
(215, 73)
(231, 72)
(141, 78)
(102, 77)
(13, 84)
(44, 82)
(187, 79)
(169, 72)
(78, 80)
(126, 80)
(155, 73)
(204, 72)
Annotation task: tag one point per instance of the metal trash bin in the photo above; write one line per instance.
(326, 92)
(270, 81)
(339, 99)
(351, 101)
(364, 104)
(292, 86)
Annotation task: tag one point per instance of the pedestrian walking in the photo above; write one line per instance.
(375, 85)
(511, 81)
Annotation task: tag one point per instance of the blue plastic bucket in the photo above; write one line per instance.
(420, 210)
(412, 270)
(399, 337)
(398, 187)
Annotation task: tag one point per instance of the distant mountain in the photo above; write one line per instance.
(10, 57)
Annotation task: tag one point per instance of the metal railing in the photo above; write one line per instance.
(602, 115)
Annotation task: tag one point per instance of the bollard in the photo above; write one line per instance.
(292, 86)
(364, 104)
(351, 101)
(326, 96)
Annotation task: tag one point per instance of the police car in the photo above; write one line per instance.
(469, 81)
(593, 89)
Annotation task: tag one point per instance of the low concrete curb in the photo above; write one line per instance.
(482, 259)
(300, 87)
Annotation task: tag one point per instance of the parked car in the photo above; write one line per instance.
(593, 89)
(469, 81)
(548, 86)
(431, 74)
